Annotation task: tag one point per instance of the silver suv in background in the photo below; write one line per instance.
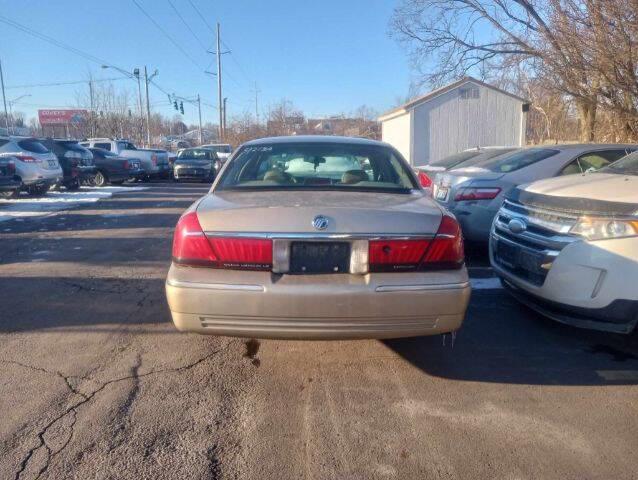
(474, 194)
(36, 167)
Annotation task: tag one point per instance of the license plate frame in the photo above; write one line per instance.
(442, 193)
(311, 258)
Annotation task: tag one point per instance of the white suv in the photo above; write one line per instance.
(568, 247)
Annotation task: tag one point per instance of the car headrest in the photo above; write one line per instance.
(354, 176)
(276, 176)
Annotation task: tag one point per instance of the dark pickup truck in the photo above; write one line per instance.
(9, 183)
(113, 169)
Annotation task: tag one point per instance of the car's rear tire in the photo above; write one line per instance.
(100, 179)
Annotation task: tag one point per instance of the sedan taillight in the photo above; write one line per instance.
(424, 179)
(396, 255)
(443, 252)
(126, 165)
(192, 247)
(26, 159)
(477, 193)
(446, 251)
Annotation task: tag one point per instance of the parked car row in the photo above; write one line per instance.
(36, 165)
(154, 162)
(562, 227)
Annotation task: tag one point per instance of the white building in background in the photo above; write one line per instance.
(465, 114)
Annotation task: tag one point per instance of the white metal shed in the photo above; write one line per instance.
(464, 114)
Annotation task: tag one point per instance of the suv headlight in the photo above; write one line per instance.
(604, 228)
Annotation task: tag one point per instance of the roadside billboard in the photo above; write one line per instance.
(62, 117)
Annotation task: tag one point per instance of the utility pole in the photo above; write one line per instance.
(219, 85)
(225, 98)
(136, 73)
(199, 108)
(4, 100)
(148, 111)
(91, 117)
(256, 104)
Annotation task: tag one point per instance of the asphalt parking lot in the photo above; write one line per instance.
(96, 382)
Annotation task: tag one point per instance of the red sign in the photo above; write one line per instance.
(62, 117)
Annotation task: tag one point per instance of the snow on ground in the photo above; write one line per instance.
(491, 283)
(27, 206)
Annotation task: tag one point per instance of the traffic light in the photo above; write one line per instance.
(181, 108)
(175, 104)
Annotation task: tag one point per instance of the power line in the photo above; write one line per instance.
(234, 58)
(165, 33)
(186, 25)
(51, 40)
(201, 16)
(70, 82)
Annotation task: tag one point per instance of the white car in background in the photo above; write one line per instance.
(223, 150)
(568, 247)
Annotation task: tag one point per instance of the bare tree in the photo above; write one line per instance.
(569, 44)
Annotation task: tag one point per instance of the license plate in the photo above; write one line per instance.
(441, 193)
(507, 254)
(514, 257)
(319, 257)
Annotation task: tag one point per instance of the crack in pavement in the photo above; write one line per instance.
(85, 399)
(57, 373)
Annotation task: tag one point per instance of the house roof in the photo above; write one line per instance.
(440, 91)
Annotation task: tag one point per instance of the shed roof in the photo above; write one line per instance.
(440, 91)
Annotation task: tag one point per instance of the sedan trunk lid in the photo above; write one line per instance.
(294, 211)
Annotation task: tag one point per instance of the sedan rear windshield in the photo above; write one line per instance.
(33, 146)
(625, 166)
(518, 160)
(485, 156)
(220, 148)
(313, 166)
(196, 154)
(453, 160)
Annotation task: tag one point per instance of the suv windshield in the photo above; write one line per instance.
(624, 166)
(196, 154)
(314, 166)
(518, 160)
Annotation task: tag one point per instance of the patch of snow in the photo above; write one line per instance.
(27, 206)
(113, 189)
(492, 283)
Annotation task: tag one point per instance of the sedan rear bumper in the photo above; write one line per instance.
(321, 307)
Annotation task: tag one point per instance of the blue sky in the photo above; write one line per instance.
(327, 57)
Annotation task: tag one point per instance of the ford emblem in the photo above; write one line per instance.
(320, 222)
(516, 225)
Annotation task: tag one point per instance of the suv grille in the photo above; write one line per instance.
(530, 252)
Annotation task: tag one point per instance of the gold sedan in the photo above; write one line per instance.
(317, 238)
